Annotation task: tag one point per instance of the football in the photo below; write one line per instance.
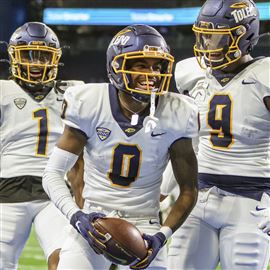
(124, 241)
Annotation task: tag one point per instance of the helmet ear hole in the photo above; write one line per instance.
(237, 54)
(115, 65)
(241, 30)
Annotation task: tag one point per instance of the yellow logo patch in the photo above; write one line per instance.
(239, 5)
(39, 43)
(130, 130)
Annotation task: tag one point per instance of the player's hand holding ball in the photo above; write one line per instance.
(83, 223)
(155, 243)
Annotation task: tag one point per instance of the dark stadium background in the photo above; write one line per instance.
(86, 58)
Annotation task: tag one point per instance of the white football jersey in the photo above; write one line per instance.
(123, 164)
(235, 123)
(29, 130)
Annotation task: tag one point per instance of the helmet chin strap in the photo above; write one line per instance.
(140, 97)
(150, 122)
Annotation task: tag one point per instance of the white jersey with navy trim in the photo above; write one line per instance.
(29, 130)
(235, 123)
(234, 173)
(123, 167)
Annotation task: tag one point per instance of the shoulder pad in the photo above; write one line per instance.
(187, 74)
(62, 86)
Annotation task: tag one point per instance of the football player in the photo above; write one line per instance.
(130, 128)
(30, 124)
(230, 224)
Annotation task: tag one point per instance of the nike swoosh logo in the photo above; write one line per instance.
(221, 26)
(260, 208)
(248, 82)
(157, 134)
(153, 221)
(77, 224)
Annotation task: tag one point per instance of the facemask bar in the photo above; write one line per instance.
(21, 67)
(230, 54)
(165, 77)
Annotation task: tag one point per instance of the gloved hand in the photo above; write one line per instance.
(263, 211)
(155, 243)
(83, 224)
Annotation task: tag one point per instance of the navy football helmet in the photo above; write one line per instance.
(225, 31)
(34, 53)
(137, 42)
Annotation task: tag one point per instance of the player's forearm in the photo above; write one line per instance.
(75, 177)
(53, 181)
(185, 168)
(181, 209)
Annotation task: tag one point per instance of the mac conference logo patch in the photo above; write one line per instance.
(103, 133)
(20, 102)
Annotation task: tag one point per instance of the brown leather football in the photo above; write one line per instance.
(124, 241)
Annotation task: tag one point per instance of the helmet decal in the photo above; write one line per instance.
(120, 39)
(243, 13)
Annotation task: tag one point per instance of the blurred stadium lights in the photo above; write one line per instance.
(126, 16)
(121, 3)
(119, 16)
(89, 33)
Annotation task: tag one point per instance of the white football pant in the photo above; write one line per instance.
(220, 229)
(15, 226)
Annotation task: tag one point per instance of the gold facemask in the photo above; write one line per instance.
(34, 63)
(217, 48)
(119, 64)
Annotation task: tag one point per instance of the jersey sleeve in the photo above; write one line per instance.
(261, 74)
(179, 117)
(76, 110)
(188, 118)
(193, 122)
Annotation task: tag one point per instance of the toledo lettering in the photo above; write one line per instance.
(241, 14)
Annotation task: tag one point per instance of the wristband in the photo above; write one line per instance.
(167, 231)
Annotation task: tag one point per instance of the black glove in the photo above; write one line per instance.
(83, 223)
